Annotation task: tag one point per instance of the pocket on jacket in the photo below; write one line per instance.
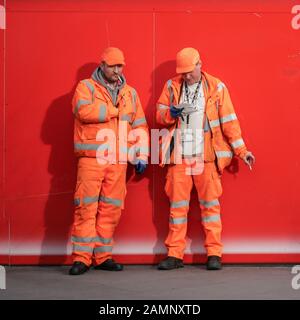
(89, 131)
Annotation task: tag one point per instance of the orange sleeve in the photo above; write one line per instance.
(140, 122)
(163, 105)
(87, 108)
(229, 122)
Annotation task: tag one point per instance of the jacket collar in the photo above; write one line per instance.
(209, 91)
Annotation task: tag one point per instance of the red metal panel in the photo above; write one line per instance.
(188, 6)
(4, 221)
(258, 58)
(48, 70)
(40, 226)
(51, 45)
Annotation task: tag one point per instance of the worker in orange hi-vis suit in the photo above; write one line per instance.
(197, 105)
(100, 105)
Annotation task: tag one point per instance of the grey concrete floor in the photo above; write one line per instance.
(136, 282)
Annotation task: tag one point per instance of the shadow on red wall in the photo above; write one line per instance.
(57, 131)
(160, 216)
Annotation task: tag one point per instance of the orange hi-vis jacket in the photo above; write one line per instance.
(222, 132)
(94, 110)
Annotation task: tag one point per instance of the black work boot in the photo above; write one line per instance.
(170, 263)
(213, 263)
(109, 265)
(78, 268)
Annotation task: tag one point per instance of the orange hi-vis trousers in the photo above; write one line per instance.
(99, 197)
(178, 188)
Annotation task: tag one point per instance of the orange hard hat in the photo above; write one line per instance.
(186, 60)
(113, 56)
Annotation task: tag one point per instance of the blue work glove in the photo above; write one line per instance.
(140, 167)
(175, 112)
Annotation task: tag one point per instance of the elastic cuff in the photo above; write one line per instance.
(242, 154)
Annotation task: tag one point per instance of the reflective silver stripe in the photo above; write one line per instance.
(103, 249)
(134, 149)
(221, 86)
(88, 146)
(77, 247)
(144, 149)
(83, 240)
(133, 92)
(81, 102)
(162, 115)
(224, 154)
(237, 143)
(208, 204)
(90, 86)
(169, 85)
(206, 84)
(162, 107)
(126, 117)
(228, 118)
(102, 113)
(87, 200)
(213, 218)
(178, 220)
(206, 126)
(214, 123)
(115, 202)
(103, 240)
(126, 149)
(138, 122)
(123, 149)
(93, 239)
(179, 204)
(76, 201)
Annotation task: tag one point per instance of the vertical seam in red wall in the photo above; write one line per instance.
(4, 135)
(153, 102)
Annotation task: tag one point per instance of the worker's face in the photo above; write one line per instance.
(193, 76)
(112, 73)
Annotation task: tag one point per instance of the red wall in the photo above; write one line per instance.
(51, 45)
(4, 235)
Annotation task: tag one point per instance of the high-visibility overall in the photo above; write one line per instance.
(222, 139)
(101, 187)
(99, 198)
(178, 188)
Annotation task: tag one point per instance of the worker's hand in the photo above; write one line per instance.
(140, 167)
(175, 112)
(249, 159)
